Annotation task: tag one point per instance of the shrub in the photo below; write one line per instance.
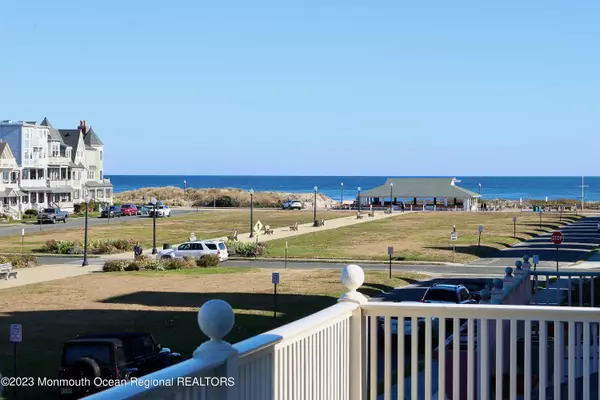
(50, 246)
(77, 208)
(177, 263)
(227, 201)
(143, 258)
(152, 265)
(208, 260)
(252, 249)
(115, 266)
(191, 262)
(133, 266)
(31, 212)
(123, 244)
(64, 246)
(18, 260)
(76, 249)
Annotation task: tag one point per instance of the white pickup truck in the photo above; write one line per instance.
(292, 205)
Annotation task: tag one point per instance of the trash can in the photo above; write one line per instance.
(535, 356)
(166, 246)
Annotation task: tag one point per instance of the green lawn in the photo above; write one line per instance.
(420, 237)
(205, 225)
(163, 303)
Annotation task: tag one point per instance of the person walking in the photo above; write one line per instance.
(402, 206)
(137, 250)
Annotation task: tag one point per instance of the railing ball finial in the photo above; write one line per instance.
(508, 271)
(216, 319)
(485, 296)
(498, 283)
(518, 264)
(526, 258)
(352, 278)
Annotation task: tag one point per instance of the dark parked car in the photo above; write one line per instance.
(117, 356)
(142, 210)
(448, 293)
(111, 212)
(128, 209)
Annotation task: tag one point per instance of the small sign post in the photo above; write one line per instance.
(22, 240)
(286, 252)
(480, 229)
(560, 210)
(515, 227)
(536, 261)
(557, 239)
(454, 238)
(390, 253)
(275, 281)
(16, 336)
(541, 212)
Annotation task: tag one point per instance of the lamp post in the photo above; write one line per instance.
(391, 197)
(85, 236)
(315, 208)
(359, 199)
(251, 213)
(153, 202)
(342, 202)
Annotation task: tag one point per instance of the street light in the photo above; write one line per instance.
(391, 197)
(85, 239)
(342, 202)
(251, 213)
(315, 208)
(153, 202)
(359, 199)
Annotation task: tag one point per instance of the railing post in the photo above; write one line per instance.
(497, 292)
(508, 283)
(216, 318)
(352, 278)
(527, 279)
(519, 283)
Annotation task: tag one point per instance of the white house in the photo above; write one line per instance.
(10, 195)
(56, 166)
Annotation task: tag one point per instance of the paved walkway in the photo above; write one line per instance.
(47, 273)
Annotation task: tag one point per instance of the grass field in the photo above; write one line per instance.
(205, 225)
(163, 303)
(420, 237)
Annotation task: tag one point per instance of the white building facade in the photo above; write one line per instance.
(54, 167)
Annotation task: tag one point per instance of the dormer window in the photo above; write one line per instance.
(68, 153)
(55, 148)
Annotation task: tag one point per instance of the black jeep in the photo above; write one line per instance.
(111, 356)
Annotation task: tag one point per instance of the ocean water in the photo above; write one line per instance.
(492, 187)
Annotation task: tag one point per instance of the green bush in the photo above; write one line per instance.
(31, 212)
(115, 266)
(152, 265)
(77, 208)
(243, 249)
(143, 258)
(50, 246)
(94, 246)
(227, 201)
(178, 263)
(133, 266)
(18, 260)
(208, 260)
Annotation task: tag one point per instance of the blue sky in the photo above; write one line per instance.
(313, 88)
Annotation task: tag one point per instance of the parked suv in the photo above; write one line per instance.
(291, 205)
(196, 249)
(446, 293)
(128, 209)
(161, 211)
(114, 356)
(111, 212)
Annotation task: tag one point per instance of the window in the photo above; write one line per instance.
(25, 174)
(55, 148)
(222, 246)
(101, 175)
(464, 295)
(26, 154)
(211, 246)
(76, 194)
(69, 153)
(108, 193)
(185, 246)
(448, 296)
(6, 176)
(197, 246)
(25, 199)
(92, 194)
(91, 175)
(100, 155)
(99, 352)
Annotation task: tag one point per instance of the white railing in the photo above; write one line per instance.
(25, 183)
(503, 348)
(60, 183)
(569, 288)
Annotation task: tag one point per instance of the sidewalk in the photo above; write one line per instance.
(591, 263)
(47, 273)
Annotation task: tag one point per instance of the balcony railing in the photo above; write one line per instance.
(61, 183)
(498, 349)
(25, 183)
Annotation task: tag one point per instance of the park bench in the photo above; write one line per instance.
(387, 211)
(234, 236)
(268, 230)
(294, 227)
(358, 216)
(6, 272)
(371, 214)
(321, 222)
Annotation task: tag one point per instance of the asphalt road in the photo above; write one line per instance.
(580, 238)
(31, 227)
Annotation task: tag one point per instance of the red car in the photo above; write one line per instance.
(128, 209)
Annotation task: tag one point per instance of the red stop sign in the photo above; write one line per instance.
(557, 237)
